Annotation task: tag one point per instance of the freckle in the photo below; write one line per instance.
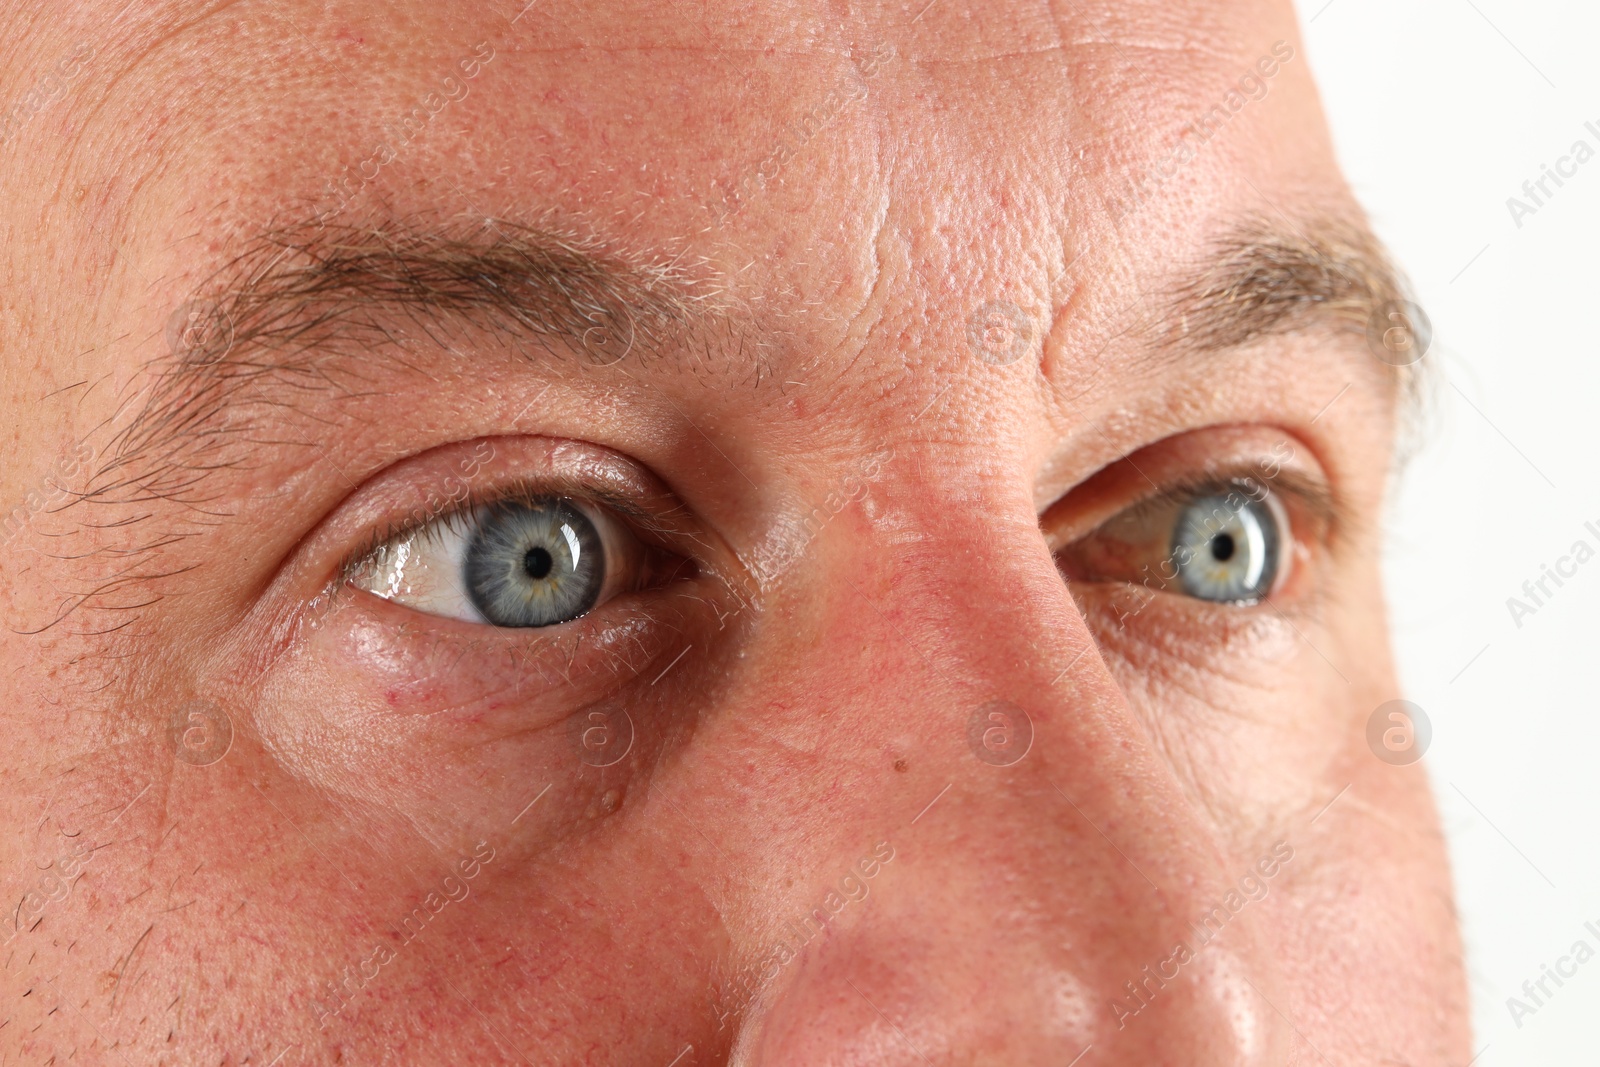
(901, 765)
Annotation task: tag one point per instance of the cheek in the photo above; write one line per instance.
(1393, 947)
(453, 730)
(1250, 714)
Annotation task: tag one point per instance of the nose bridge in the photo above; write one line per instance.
(1040, 897)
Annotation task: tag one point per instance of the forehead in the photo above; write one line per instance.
(877, 161)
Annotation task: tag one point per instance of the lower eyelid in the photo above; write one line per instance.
(496, 679)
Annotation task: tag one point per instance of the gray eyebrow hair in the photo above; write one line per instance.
(1261, 279)
(311, 284)
(1258, 280)
(296, 294)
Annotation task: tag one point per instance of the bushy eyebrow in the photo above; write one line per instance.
(297, 297)
(1259, 280)
(274, 316)
(313, 284)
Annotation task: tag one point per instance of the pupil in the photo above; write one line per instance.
(537, 562)
(1222, 547)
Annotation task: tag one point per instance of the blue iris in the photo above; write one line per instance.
(1226, 548)
(534, 563)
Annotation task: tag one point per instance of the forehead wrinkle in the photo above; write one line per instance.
(299, 299)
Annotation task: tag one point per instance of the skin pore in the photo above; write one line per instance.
(879, 346)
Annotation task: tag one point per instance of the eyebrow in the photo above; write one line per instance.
(1258, 280)
(314, 284)
(270, 318)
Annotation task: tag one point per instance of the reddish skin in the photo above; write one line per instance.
(372, 752)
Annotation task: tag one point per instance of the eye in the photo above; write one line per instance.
(1226, 548)
(1228, 543)
(534, 564)
(523, 561)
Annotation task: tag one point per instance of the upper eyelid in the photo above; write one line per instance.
(523, 487)
(1310, 492)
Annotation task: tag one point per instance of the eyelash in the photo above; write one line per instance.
(461, 502)
(434, 521)
(1312, 495)
(1305, 503)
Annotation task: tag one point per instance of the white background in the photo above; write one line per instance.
(1441, 109)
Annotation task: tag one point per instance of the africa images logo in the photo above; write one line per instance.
(853, 886)
(1143, 988)
(1536, 192)
(1537, 592)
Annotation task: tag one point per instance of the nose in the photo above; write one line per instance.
(1052, 895)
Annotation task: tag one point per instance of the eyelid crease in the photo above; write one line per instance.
(1311, 492)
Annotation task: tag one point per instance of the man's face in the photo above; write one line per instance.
(630, 534)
